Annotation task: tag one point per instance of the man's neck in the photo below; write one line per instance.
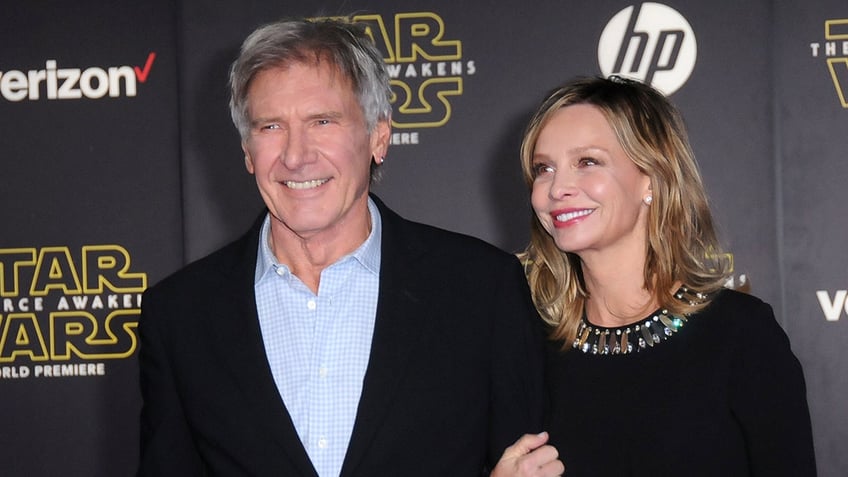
(307, 256)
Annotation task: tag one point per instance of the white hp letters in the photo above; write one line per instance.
(650, 42)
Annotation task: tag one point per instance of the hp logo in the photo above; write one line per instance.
(650, 42)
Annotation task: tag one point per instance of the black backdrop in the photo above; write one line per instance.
(120, 176)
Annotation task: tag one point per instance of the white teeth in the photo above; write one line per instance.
(573, 215)
(304, 185)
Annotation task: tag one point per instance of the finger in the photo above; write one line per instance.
(525, 444)
(552, 469)
(538, 458)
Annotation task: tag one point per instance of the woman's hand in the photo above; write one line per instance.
(530, 457)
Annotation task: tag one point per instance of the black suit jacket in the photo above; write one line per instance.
(454, 374)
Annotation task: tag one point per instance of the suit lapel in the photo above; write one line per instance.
(244, 355)
(397, 332)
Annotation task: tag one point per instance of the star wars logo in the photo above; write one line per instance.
(58, 308)
(426, 67)
(834, 49)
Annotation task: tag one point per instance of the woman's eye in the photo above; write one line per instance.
(540, 169)
(587, 161)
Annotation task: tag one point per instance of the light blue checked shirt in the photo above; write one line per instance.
(318, 345)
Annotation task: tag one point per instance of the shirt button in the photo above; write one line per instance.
(322, 443)
(311, 304)
(322, 371)
(280, 271)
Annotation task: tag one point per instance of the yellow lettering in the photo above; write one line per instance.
(21, 336)
(61, 274)
(11, 260)
(77, 333)
(424, 32)
(430, 107)
(108, 266)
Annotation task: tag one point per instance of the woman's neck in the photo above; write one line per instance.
(617, 292)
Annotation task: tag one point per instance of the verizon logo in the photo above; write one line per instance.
(74, 83)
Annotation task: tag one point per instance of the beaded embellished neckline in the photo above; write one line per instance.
(636, 337)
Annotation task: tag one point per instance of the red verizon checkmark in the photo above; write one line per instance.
(142, 74)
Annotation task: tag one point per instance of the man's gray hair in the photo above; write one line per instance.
(343, 43)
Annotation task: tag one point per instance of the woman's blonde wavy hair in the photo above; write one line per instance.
(682, 241)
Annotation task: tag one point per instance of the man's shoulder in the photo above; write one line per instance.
(229, 260)
(431, 239)
(452, 241)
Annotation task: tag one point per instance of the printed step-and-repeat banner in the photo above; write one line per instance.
(90, 192)
(120, 164)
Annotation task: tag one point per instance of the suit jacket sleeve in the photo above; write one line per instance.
(167, 448)
(517, 363)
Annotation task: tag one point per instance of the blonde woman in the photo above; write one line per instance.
(654, 369)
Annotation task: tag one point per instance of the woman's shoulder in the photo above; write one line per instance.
(745, 318)
(733, 303)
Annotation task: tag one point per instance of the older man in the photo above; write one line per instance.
(335, 337)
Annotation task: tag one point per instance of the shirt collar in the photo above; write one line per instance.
(367, 254)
